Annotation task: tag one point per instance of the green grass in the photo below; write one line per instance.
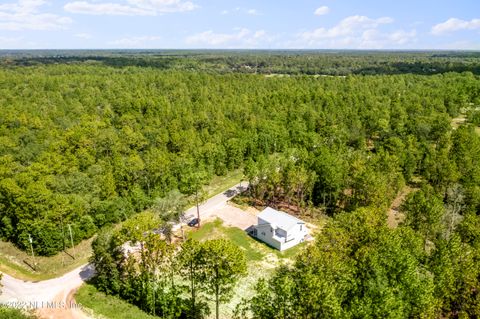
(255, 250)
(10, 313)
(219, 184)
(215, 229)
(17, 263)
(110, 307)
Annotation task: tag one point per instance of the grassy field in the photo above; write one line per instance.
(107, 306)
(254, 249)
(17, 263)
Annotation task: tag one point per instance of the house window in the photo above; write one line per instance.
(271, 230)
(300, 227)
(263, 233)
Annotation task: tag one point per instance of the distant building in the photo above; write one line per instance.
(279, 230)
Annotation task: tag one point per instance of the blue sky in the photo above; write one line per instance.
(268, 24)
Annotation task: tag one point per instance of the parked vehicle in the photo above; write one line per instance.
(193, 222)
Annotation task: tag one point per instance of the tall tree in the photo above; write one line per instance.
(224, 264)
(424, 211)
(191, 269)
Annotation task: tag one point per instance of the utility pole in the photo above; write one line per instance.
(33, 255)
(63, 238)
(63, 232)
(71, 240)
(198, 207)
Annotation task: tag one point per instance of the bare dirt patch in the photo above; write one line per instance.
(234, 216)
(394, 216)
(456, 122)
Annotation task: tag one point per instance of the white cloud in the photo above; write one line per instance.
(239, 10)
(130, 7)
(164, 6)
(454, 24)
(374, 39)
(26, 15)
(136, 42)
(242, 38)
(355, 32)
(85, 36)
(105, 9)
(401, 37)
(347, 27)
(322, 11)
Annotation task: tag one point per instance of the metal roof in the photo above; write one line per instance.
(279, 219)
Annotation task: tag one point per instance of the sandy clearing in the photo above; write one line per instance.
(234, 216)
(394, 216)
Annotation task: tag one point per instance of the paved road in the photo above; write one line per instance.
(53, 297)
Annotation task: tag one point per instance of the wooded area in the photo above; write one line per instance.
(289, 62)
(88, 144)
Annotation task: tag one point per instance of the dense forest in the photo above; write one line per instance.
(89, 142)
(90, 145)
(290, 62)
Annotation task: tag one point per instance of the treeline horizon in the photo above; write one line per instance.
(291, 62)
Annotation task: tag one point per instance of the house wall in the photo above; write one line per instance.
(261, 221)
(265, 234)
(282, 232)
(293, 237)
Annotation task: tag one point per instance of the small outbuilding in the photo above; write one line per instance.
(279, 229)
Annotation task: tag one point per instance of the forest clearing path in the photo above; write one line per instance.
(394, 216)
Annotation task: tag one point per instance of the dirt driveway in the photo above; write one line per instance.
(218, 206)
(51, 298)
(234, 216)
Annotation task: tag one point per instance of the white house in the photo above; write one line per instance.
(279, 230)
